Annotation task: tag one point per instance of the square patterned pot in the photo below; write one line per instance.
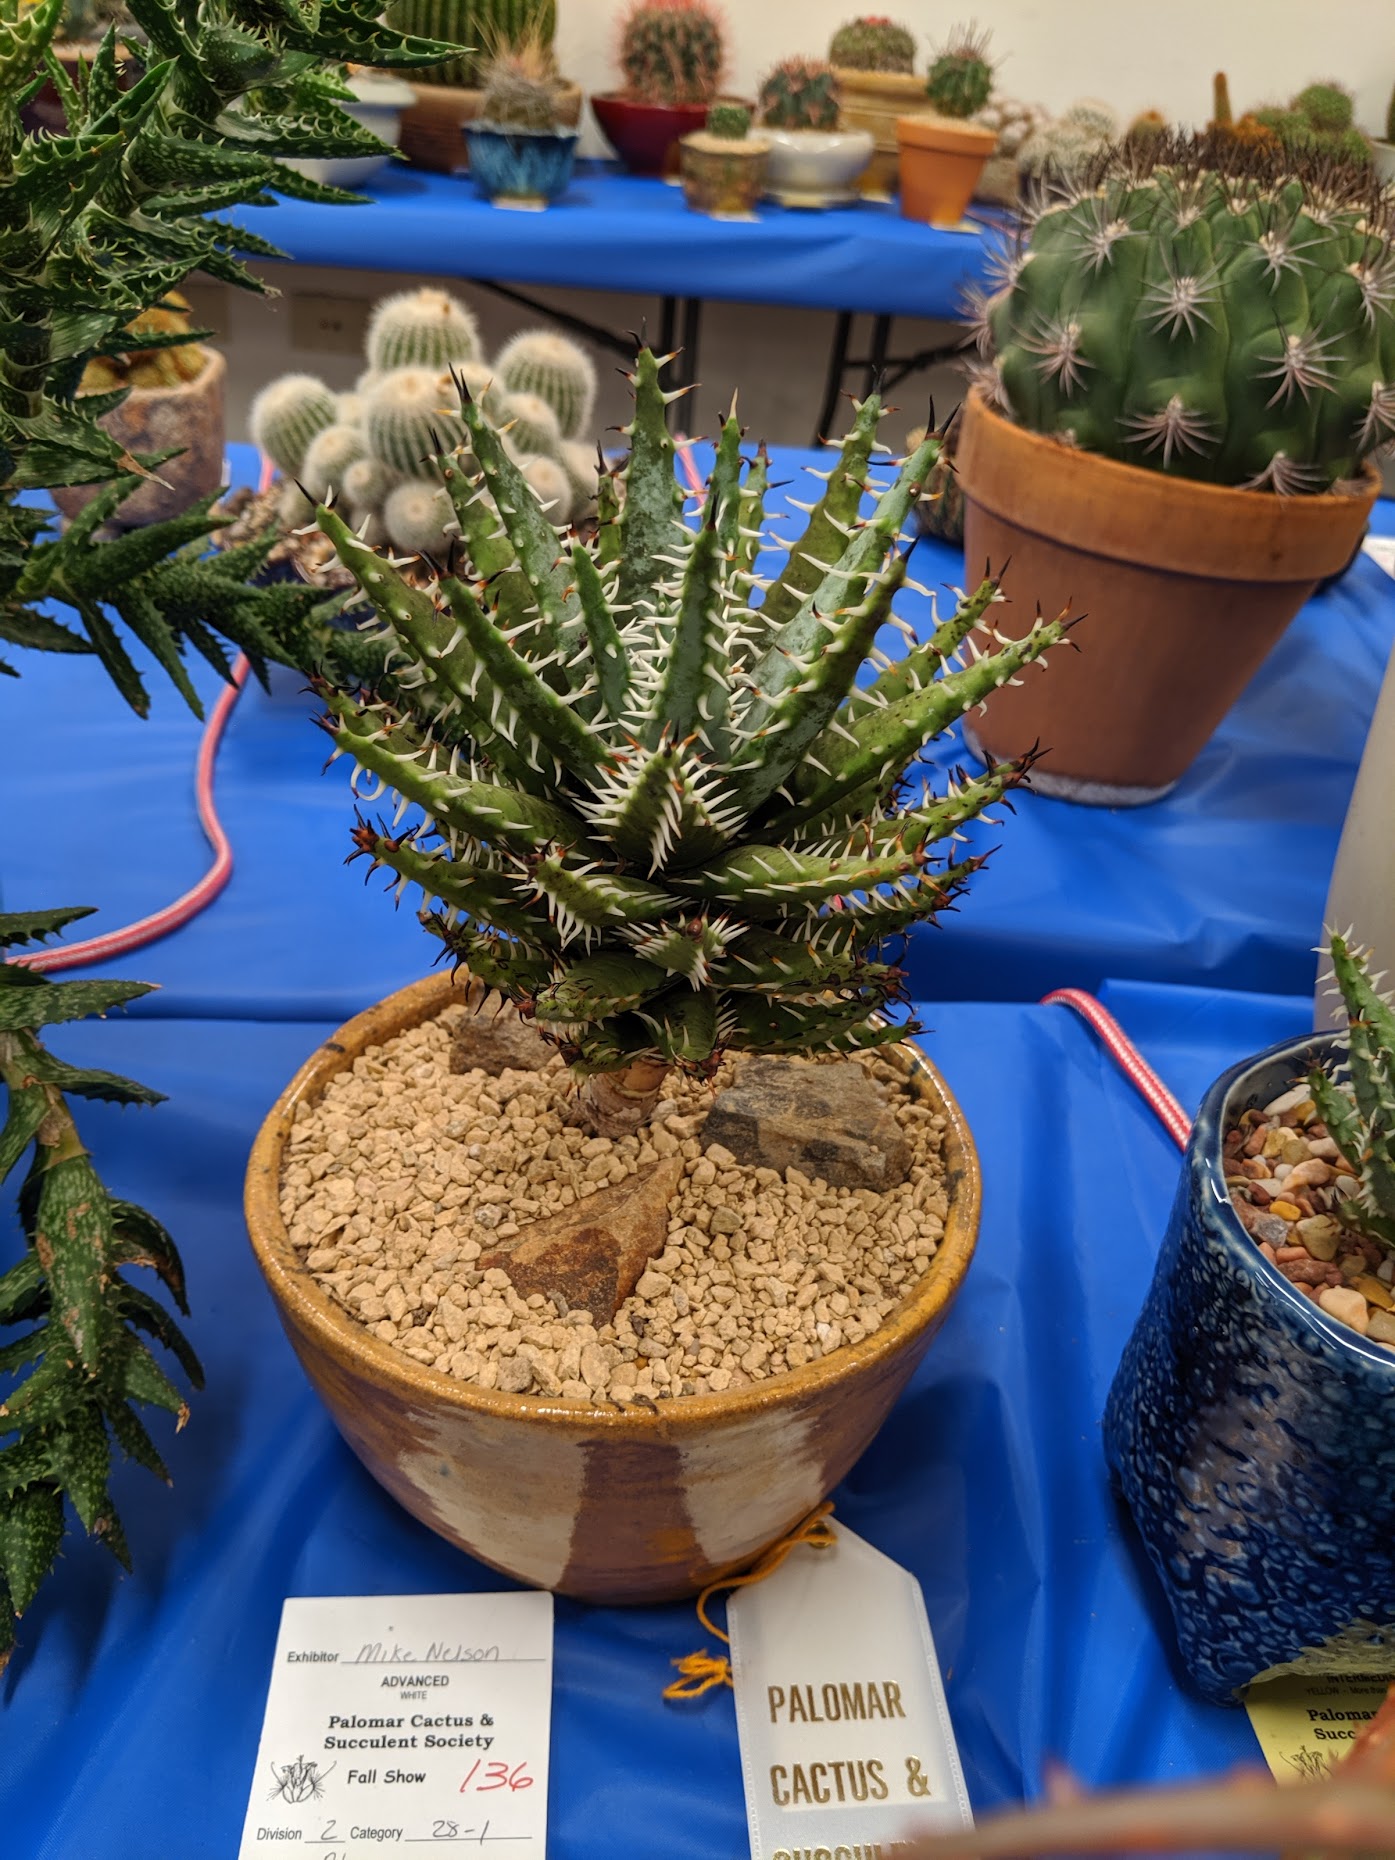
(1253, 1436)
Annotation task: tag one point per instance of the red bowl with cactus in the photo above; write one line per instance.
(646, 135)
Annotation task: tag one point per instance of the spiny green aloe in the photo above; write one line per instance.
(73, 1377)
(658, 810)
(1358, 1103)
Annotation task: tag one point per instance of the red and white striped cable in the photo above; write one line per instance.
(1128, 1058)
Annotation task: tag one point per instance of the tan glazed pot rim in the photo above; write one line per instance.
(296, 1290)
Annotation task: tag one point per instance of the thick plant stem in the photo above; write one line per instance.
(615, 1103)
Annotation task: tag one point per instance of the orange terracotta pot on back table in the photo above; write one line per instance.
(1183, 588)
(604, 1504)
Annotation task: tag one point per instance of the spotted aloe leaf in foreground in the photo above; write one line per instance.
(658, 801)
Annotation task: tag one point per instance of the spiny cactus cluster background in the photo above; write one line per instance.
(522, 90)
(661, 813)
(1064, 146)
(1199, 309)
(1320, 120)
(1357, 1099)
(800, 93)
(485, 26)
(873, 43)
(961, 77)
(672, 51)
(374, 447)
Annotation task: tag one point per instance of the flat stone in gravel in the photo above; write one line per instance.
(494, 1039)
(830, 1121)
(593, 1253)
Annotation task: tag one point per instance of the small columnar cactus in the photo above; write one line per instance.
(800, 93)
(537, 361)
(1390, 119)
(1204, 313)
(287, 415)
(422, 329)
(873, 43)
(1356, 1100)
(731, 121)
(484, 26)
(655, 800)
(672, 51)
(961, 78)
(409, 415)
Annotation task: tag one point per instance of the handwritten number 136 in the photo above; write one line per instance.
(496, 1776)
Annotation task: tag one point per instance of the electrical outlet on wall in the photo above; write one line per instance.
(331, 325)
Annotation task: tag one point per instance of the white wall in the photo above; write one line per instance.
(1134, 55)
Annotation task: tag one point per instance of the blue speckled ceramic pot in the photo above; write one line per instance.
(1254, 1436)
(518, 168)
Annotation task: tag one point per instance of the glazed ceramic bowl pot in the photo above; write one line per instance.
(816, 167)
(609, 1504)
(1253, 1436)
(380, 101)
(516, 168)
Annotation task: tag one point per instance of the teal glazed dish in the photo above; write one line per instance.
(1253, 1437)
(521, 168)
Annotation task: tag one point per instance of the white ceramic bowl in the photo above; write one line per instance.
(380, 103)
(816, 167)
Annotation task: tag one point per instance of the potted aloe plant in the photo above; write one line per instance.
(1185, 379)
(874, 58)
(723, 165)
(1252, 1421)
(942, 152)
(672, 54)
(813, 161)
(652, 819)
(521, 148)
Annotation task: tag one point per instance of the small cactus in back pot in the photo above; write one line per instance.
(731, 121)
(961, 78)
(672, 52)
(873, 43)
(800, 93)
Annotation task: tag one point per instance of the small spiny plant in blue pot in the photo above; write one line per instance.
(1251, 1425)
(521, 154)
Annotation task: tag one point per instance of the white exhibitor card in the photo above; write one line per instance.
(846, 1744)
(393, 1719)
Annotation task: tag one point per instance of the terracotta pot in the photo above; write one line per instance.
(723, 176)
(646, 135)
(1184, 588)
(608, 1505)
(874, 101)
(433, 128)
(941, 161)
(152, 420)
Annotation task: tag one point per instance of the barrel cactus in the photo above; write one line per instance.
(800, 93)
(287, 415)
(409, 413)
(422, 329)
(961, 78)
(730, 121)
(672, 52)
(1205, 312)
(873, 43)
(521, 91)
(482, 25)
(537, 361)
(661, 814)
(328, 456)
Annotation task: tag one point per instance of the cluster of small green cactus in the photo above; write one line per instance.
(484, 26)
(1206, 313)
(672, 51)
(661, 808)
(79, 1355)
(1320, 120)
(373, 447)
(961, 77)
(1064, 146)
(731, 121)
(1356, 1099)
(873, 43)
(800, 93)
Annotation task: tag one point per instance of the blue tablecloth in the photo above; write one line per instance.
(621, 232)
(132, 1709)
(1224, 882)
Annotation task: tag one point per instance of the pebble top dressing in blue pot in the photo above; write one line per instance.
(1253, 1436)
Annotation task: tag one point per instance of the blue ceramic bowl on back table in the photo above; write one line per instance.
(520, 168)
(1253, 1436)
